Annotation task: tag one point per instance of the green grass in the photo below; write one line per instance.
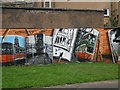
(57, 74)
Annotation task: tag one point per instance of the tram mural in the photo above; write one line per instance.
(66, 44)
(13, 49)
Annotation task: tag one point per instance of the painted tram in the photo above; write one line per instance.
(12, 50)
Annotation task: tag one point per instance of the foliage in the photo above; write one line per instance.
(114, 19)
(114, 22)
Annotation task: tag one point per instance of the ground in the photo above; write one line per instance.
(99, 84)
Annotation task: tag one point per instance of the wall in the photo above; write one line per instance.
(83, 5)
(51, 18)
(104, 53)
(104, 49)
(116, 12)
(22, 32)
(119, 13)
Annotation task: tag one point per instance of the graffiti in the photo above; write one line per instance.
(81, 42)
(30, 45)
(13, 49)
(85, 43)
(63, 42)
(114, 39)
(64, 38)
(48, 46)
(39, 49)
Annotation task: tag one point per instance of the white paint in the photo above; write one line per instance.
(48, 45)
(31, 39)
(30, 44)
(119, 58)
(48, 40)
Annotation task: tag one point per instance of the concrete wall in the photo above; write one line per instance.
(119, 14)
(116, 11)
(50, 18)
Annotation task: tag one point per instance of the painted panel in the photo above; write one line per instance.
(48, 46)
(40, 43)
(86, 43)
(11, 45)
(114, 40)
(39, 48)
(63, 42)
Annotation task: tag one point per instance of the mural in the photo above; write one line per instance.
(49, 46)
(11, 39)
(63, 43)
(13, 49)
(39, 49)
(30, 45)
(67, 44)
(114, 39)
(85, 44)
(72, 42)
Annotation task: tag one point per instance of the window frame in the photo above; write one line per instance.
(108, 12)
(45, 2)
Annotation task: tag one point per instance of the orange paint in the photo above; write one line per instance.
(83, 55)
(7, 58)
(18, 55)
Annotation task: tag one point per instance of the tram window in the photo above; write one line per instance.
(11, 50)
(7, 49)
(3, 49)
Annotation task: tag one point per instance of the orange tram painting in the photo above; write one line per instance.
(12, 50)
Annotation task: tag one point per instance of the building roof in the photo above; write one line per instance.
(52, 9)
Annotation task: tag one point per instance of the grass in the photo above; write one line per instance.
(57, 74)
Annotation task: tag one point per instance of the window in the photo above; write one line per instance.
(47, 3)
(106, 12)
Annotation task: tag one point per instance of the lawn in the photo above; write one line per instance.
(57, 74)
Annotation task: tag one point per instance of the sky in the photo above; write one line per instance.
(10, 38)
